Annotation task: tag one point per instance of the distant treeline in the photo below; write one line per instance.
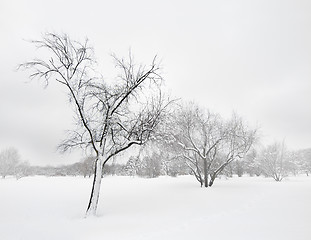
(266, 162)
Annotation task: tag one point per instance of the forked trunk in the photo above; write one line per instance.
(92, 206)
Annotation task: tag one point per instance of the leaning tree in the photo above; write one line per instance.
(111, 116)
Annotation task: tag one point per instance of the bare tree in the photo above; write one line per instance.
(306, 161)
(110, 118)
(272, 161)
(251, 163)
(209, 144)
(87, 166)
(198, 136)
(23, 169)
(302, 160)
(133, 166)
(151, 165)
(9, 160)
(172, 164)
(236, 141)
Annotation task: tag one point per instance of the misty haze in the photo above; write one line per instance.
(155, 120)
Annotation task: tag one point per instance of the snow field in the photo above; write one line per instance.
(163, 208)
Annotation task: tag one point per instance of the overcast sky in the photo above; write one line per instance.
(251, 56)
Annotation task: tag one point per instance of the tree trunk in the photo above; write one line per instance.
(201, 183)
(211, 182)
(205, 174)
(92, 206)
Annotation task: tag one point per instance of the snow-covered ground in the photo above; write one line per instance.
(41, 208)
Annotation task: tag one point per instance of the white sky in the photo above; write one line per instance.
(252, 57)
